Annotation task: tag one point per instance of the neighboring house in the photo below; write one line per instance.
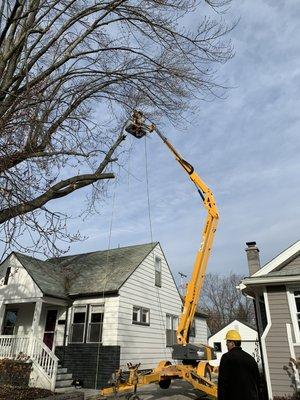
(276, 290)
(199, 330)
(92, 312)
(249, 337)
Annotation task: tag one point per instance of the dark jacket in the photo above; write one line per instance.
(238, 376)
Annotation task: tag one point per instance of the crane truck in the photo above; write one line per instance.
(192, 361)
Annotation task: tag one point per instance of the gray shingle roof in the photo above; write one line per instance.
(48, 277)
(100, 271)
(90, 273)
(291, 271)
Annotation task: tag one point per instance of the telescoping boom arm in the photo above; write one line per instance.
(138, 128)
(194, 366)
(195, 284)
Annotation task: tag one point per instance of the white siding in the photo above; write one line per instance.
(20, 284)
(60, 328)
(139, 343)
(110, 322)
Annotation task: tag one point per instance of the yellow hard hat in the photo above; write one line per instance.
(233, 335)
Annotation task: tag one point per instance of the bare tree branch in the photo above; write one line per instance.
(223, 302)
(67, 68)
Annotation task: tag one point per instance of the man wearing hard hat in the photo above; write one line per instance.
(238, 372)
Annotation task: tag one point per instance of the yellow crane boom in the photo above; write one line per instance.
(138, 128)
(195, 284)
(195, 367)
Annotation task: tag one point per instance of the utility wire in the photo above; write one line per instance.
(105, 277)
(151, 234)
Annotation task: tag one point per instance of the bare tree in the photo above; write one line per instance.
(224, 303)
(70, 70)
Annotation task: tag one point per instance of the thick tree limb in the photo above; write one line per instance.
(70, 73)
(60, 189)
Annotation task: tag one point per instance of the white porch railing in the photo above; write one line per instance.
(45, 359)
(11, 346)
(42, 357)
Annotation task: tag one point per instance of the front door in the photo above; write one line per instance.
(50, 328)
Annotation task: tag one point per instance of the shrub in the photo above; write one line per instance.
(14, 372)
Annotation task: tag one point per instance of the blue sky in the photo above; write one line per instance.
(245, 147)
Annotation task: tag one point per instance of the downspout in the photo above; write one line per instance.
(259, 330)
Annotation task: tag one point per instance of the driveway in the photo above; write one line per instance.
(179, 390)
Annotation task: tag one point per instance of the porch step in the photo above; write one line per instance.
(61, 370)
(64, 383)
(63, 380)
(63, 376)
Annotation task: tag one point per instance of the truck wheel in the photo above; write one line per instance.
(165, 384)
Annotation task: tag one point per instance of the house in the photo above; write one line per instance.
(275, 287)
(92, 313)
(199, 331)
(249, 337)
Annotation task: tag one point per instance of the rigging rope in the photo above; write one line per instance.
(151, 234)
(147, 185)
(105, 277)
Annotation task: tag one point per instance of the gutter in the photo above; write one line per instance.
(108, 293)
(276, 279)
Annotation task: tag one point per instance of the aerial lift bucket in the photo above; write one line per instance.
(136, 125)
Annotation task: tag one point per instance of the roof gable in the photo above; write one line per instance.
(276, 267)
(20, 283)
(102, 271)
(236, 325)
(47, 277)
(83, 274)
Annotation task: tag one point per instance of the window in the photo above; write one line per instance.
(140, 316)
(217, 346)
(78, 324)
(192, 332)
(171, 329)
(95, 323)
(7, 276)
(157, 265)
(297, 300)
(10, 320)
(87, 324)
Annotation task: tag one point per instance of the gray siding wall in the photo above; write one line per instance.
(297, 351)
(295, 262)
(278, 351)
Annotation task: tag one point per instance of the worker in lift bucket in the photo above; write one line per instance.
(239, 377)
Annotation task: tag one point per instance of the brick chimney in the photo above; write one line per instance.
(252, 257)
